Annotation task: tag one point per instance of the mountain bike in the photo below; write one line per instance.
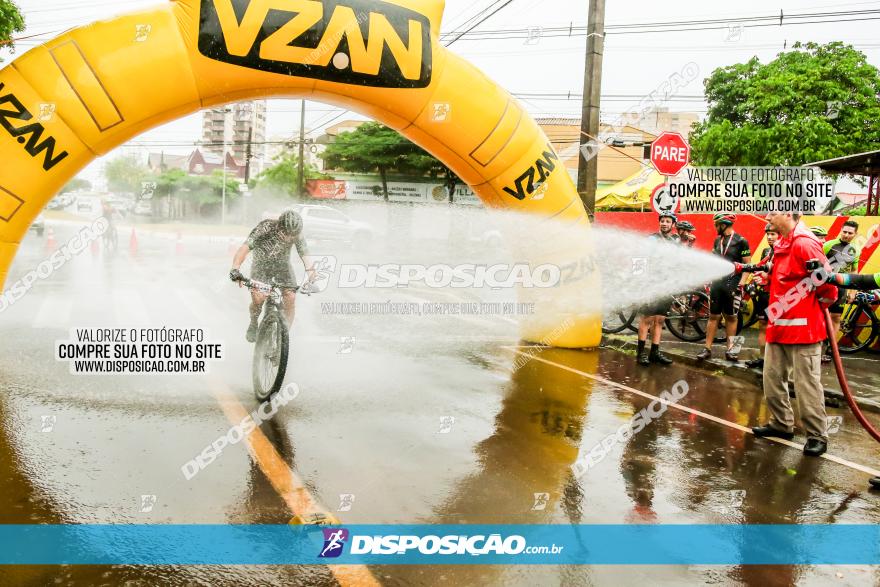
(273, 340)
(859, 326)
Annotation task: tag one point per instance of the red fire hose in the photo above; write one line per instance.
(844, 384)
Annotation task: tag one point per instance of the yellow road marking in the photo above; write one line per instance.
(722, 421)
(286, 482)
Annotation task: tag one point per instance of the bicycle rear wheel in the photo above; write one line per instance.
(270, 356)
(688, 317)
(858, 329)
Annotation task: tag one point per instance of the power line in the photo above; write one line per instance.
(478, 23)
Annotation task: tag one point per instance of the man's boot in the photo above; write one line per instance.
(657, 357)
(642, 355)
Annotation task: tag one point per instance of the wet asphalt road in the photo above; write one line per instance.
(376, 423)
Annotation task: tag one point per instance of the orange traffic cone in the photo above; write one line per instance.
(51, 243)
(133, 242)
(179, 246)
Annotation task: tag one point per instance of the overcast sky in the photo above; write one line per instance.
(635, 64)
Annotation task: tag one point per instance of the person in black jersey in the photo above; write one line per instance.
(653, 315)
(725, 294)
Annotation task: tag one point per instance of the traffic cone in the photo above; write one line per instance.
(133, 242)
(51, 243)
(179, 246)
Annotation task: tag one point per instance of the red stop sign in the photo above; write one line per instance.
(670, 153)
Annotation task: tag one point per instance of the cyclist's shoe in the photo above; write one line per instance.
(657, 357)
(769, 431)
(755, 364)
(731, 356)
(826, 358)
(252, 332)
(704, 354)
(643, 359)
(875, 482)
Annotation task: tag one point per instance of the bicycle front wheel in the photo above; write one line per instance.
(270, 356)
(858, 329)
(616, 322)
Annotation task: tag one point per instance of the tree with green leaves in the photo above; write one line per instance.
(11, 22)
(76, 184)
(811, 103)
(126, 174)
(373, 147)
(284, 174)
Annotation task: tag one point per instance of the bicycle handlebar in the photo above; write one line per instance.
(268, 287)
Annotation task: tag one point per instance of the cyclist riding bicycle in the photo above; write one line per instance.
(686, 233)
(759, 289)
(725, 294)
(271, 243)
(654, 313)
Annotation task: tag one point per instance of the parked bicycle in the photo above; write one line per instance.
(859, 325)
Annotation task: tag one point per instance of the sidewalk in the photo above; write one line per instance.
(862, 369)
(189, 231)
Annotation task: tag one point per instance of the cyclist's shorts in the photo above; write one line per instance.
(837, 307)
(660, 307)
(760, 303)
(280, 275)
(721, 299)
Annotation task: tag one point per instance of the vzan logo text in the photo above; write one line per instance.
(361, 42)
(28, 135)
(534, 177)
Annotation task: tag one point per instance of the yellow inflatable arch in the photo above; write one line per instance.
(84, 93)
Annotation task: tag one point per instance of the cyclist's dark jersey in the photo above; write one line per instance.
(847, 255)
(733, 248)
(271, 251)
(673, 238)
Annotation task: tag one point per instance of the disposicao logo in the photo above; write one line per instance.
(334, 542)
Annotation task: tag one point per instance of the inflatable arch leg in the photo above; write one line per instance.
(110, 81)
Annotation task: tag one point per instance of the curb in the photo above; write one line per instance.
(833, 397)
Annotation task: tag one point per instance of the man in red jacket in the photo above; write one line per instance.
(795, 332)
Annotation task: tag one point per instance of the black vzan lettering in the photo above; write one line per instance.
(525, 183)
(360, 42)
(32, 143)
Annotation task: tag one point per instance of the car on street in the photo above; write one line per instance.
(85, 205)
(143, 208)
(322, 223)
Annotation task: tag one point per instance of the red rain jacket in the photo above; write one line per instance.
(796, 305)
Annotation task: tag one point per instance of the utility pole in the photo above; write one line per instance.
(302, 145)
(248, 156)
(588, 169)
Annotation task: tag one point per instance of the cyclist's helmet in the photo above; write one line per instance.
(819, 231)
(724, 218)
(685, 225)
(669, 215)
(291, 223)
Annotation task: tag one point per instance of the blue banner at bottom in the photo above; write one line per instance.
(439, 544)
